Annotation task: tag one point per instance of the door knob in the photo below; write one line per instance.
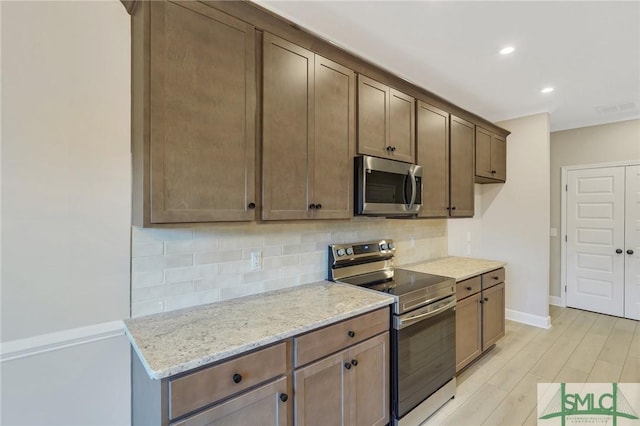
(618, 251)
(629, 251)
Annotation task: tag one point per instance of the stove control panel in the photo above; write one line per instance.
(382, 248)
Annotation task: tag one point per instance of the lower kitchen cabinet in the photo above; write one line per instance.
(251, 386)
(492, 315)
(335, 375)
(468, 330)
(265, 406)
(479, 315)
(350, 387)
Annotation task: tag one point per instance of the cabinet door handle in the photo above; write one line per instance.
(453, 208)
(284, 397)
(486, 299)
(318, 206)
(393, 149)
(312, 206)
(388, 149)
(469, 288)
(629, 251)
(351, 333)
(354, 362)
(251, 206)
(493, 172)
(347, 365)
(237, 378)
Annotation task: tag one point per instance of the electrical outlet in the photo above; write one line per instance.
(256, 260)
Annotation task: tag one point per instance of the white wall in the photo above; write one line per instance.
(65, 211)
(587, 145)
(512, 221)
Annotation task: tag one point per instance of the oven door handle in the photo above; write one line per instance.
(411, 319)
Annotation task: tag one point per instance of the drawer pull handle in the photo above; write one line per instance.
(347, 365)
(251, 206)
(284, 397)
(496, 278)
(237, 378)
(469, 288)
(351, 333)
(354, 362)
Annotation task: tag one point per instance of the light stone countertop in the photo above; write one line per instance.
(456, 267)
(174, 342)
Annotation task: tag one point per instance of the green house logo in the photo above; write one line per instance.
(587, 403)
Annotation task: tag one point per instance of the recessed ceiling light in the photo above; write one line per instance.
(507, 50)
(547, 90)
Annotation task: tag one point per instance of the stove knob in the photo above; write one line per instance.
(350, 251)
(383, 246)
(340, 252)
(391, 246)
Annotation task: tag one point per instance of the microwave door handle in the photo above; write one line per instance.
(413, 190)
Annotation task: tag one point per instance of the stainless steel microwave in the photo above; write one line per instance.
(386, 187)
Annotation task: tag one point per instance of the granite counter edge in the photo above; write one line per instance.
(222, 355)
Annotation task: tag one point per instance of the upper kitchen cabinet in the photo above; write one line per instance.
(432, 153)
(308, 134)
(461, 171)
(386, 121)
(491, 157)
(193, 114)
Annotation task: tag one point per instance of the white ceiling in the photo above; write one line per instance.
(588, 50)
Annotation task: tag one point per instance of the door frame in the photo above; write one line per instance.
(563, 218)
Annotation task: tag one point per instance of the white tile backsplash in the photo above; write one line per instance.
(181, 266)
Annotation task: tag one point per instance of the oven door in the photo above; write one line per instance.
(387, 187)
(424, 353)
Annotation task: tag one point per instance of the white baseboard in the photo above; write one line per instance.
(22, 348)
(525, 318)
(556, 301)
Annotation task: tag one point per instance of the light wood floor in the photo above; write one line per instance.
(500, 388)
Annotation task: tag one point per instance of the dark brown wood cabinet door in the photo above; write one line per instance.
(468, 330)
(461, 172)
(499, 158)
(369, 382)
(319, 393)
(483, 152)
(201, 115)
(288, 103)
(492, 315)
(432, 153)
(402, 129)
(373, 117)
(334, 141)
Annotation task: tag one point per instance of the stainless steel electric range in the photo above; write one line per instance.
(423, 352)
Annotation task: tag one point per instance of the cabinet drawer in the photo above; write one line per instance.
(198, 389)
(316, 344)
(468, 287)
(489, 279)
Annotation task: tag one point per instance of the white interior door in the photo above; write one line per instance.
(595, 240)
(632, 244)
